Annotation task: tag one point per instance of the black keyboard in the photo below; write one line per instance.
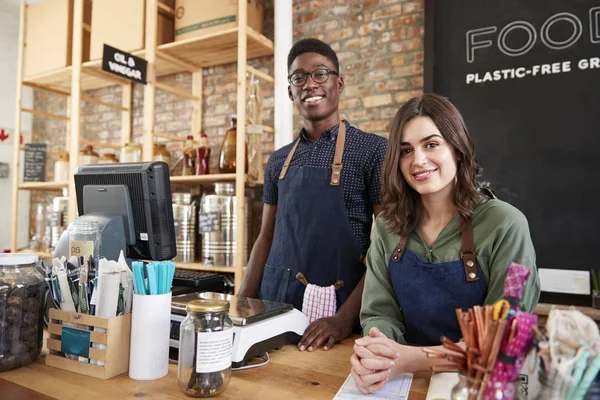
(195, 279)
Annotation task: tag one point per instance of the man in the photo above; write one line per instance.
(320, 193)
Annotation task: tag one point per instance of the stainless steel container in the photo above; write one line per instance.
(219, 246)
(58, 219)
(184, 217)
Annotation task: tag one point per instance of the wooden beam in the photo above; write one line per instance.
(165, 8)
(176, 61)
(240, 186)
(46, 88)
(100, 144)
(259, 74)
(75, 128)
(176, 91)
(197, 104)
(16, 153)
(98, 73)
(150, 88)
(126, 91)
(268, 129)
(45, 114)
(86, 27)
(102, 103)
(169, 136)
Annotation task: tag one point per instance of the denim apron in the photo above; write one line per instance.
(429, 293)
(312, 233)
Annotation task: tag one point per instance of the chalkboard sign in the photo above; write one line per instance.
(525, 76)
(35, 163)
(209, 222)
(124, 64)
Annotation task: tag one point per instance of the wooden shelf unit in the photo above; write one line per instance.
(185, 55)
(236, 44)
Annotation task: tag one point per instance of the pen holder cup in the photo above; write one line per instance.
(150, 328)
(102, 340)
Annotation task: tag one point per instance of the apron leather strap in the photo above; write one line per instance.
(467, 253)
(337, 157)
(286, 164)
(468, 250)
(336, 167)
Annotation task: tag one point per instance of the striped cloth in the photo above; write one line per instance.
(319, 302)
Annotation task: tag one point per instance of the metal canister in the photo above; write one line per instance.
(58, 219)
(184, 217)
(219, 244)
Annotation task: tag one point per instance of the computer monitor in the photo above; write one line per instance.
(140, 193)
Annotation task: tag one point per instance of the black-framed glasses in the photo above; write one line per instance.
(318, 75)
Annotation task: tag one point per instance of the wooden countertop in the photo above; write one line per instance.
(544, 309)
(290, 375)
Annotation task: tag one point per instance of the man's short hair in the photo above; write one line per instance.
(312, 45)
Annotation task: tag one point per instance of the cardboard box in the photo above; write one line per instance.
(113, 334)
(122, 24)
(201, 17)
(49, 36)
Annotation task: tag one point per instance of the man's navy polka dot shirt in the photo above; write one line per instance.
(361, 172)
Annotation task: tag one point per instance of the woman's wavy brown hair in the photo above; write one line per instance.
(401, 204)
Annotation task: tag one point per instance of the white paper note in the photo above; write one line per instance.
(441, 384)
(396, 389)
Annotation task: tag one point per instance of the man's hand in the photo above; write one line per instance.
(325, 331)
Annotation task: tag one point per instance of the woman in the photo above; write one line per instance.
(439, 244)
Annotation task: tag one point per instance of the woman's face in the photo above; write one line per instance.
(428, 163)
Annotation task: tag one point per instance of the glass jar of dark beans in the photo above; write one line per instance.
(205, 344)
(21, 314)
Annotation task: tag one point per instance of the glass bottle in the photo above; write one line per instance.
(254, 108)
(22, 287)
(227, 155)
(161, 153)
(189, 157)
(37, 240)
(205, 344)
(61, 168)
(202, 156)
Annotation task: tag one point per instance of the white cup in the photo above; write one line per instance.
(150, 327)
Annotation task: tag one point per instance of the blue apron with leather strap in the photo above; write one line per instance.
(429, 293)
(312, 233)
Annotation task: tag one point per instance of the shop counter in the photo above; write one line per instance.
(289, 375)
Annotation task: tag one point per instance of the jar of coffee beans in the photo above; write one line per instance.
(21, 315)
(205, 344)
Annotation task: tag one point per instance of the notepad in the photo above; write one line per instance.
(396, 389)
(441, 384)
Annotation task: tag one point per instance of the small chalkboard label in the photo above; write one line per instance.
(209, 222)
(35, 163)
(124, 64)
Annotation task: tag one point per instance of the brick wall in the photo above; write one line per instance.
(380, 48)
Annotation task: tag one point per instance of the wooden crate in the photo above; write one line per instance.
(116, 339)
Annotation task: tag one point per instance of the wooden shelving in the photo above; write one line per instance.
(202, 267)
(44, 186)
(237, 44)
(185, 55)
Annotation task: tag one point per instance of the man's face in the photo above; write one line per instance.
(315, 101)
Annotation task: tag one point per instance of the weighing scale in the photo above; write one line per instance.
(258, 325)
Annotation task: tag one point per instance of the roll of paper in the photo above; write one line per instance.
(150, 327)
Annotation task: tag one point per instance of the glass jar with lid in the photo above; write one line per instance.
(88, 156)
(22, 287)
(205, 345)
